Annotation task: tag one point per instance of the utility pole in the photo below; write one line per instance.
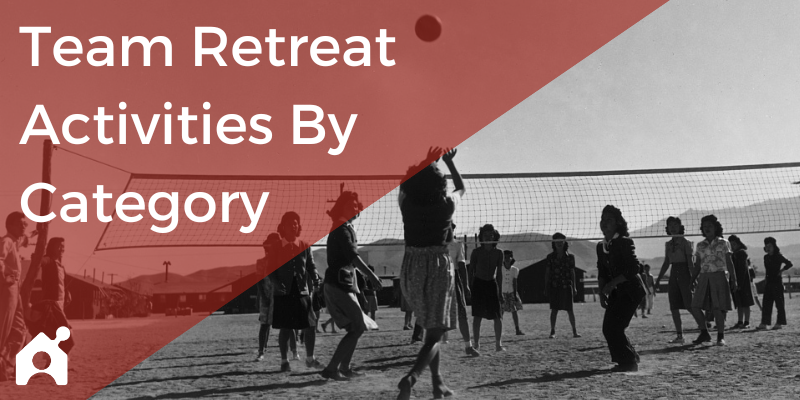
(166, 273)
(41, 227)
(112, 278)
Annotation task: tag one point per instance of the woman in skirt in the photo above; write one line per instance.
(427, 276)
(716, 278)
(678, 254)
(292, 285)
(486, 262)
(559, 282)
(742, 298)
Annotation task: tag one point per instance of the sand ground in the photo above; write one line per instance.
(215, 359)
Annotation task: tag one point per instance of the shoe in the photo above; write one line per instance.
(350, 374)
(721, 342)
(677, 340)
(625, 368)
(260, 357)
(472, 352)
(314, 364)
(776, 327)
(296, 357)
(738, 325)
(761, 327)
(405, 386)
(644, 316)
(520, 333)
(499, 348)
(576, 335)
(440, 390)
(325, 327)
(285, 367)
(708, 325)
(552, 336)
(746, 325)
(334, 375)
(406, 328)
(704, 337)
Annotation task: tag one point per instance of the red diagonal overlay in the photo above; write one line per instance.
(488, 58)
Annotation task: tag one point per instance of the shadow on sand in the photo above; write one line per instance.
(547, 378)
(229, 391)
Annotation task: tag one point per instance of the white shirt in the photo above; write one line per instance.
(508, 278)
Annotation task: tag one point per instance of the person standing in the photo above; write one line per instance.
(678, 253)
(511, 300)
(292, 285)
(462, 293)
(621, 288)
(48, 314)
(742, 298)
(486, 262)
(774, 265)
(716, 278)
(264, 294)
(12, 321)
(559, 282)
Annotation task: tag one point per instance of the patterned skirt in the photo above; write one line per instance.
(427, 280)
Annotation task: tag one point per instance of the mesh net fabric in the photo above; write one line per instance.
(748, 199)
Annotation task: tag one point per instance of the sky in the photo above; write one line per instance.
(694, 84)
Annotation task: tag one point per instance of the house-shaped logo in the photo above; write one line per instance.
(58, 359)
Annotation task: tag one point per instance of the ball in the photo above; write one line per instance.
(428, 28)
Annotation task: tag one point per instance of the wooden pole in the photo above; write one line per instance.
(41, 227)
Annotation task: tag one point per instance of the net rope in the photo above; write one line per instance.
(524, 207)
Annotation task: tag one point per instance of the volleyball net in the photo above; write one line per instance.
(523, 207)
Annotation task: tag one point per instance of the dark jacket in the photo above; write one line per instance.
(300, 270)
(620, 259)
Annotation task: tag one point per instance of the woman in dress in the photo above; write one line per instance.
(715, 276)
(559, 282)
(678, 254)
(742, 298)
(427, 276)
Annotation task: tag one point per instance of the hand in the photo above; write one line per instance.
(468, 295)
(574, 292)
(33, 233)
(434, 153)
(603, 301)
(607, 289)
(448, 156)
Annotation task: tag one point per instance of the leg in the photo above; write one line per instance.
(284, 337)
(498, 334)
(571, 314)
(719, 318)
(746, 316)
(617, 318)
(780, 305)
(344, 351)
(407, 324)
(476, 331)
(553, 318)
(310, 341)
(515, 317)
(766, 311)
(428, 356)
(676, 319)
(263, 334)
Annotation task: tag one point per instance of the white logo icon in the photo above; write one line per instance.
(58, 359)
